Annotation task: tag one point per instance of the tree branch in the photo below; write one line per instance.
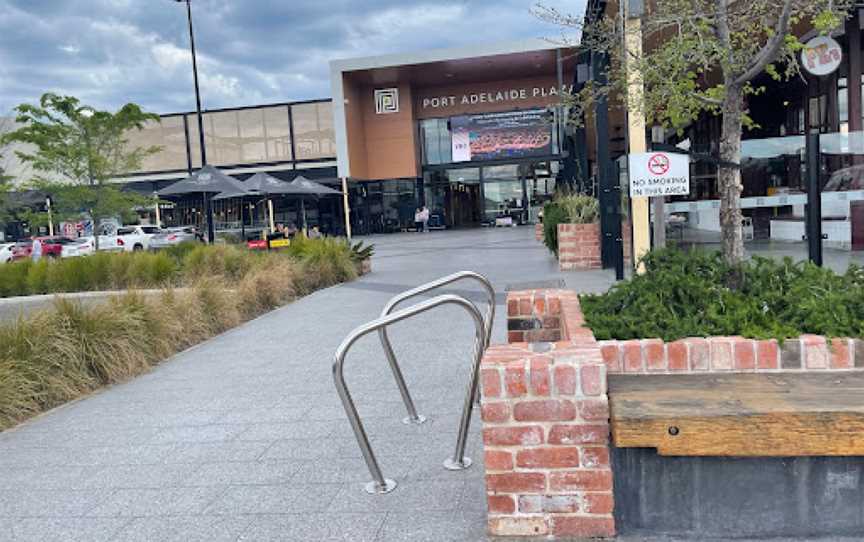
(769, 51)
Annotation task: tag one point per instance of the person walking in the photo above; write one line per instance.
(36, 251)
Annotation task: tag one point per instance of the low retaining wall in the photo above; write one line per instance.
(718, 354)
(538, 232)
(579, 246)
(545, 409)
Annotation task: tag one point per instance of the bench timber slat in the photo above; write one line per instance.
(765, 414)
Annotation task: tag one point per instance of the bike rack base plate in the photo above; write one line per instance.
(408, 420)
(373, 488)
(450, 464)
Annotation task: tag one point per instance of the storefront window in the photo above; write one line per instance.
(843, 102)
(503, 193)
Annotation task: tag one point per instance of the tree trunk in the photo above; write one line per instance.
(729, 176)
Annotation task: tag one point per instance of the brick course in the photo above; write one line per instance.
(579, 246)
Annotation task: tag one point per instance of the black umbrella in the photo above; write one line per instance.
(263, 185)
(207, 180)
(311, 189)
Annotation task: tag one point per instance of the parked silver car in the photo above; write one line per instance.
(173, 236)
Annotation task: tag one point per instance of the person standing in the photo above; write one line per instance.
(36, 250)
(424, 218)
(418, 220)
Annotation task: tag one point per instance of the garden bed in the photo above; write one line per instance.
(696, 294)
(70, 350)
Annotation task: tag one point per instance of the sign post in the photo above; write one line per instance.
(820, 56)
(658, 174)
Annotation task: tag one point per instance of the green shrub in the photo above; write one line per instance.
(580, 209)
(553, 214)
(696, 294)
(179, 252)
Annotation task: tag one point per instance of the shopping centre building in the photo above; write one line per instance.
(475, 134)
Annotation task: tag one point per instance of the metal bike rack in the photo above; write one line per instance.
(379, 484)
(413, 417)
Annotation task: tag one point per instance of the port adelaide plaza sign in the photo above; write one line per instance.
(655, 174)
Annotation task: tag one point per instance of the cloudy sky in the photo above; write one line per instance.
(109, 52)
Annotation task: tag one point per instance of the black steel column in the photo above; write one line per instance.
(611, 247)
(814, 199)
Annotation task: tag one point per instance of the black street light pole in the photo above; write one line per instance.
(208, 205)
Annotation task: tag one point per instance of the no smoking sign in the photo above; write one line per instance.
(654, 174)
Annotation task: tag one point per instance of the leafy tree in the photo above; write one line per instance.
(78, 150)
(701, 56)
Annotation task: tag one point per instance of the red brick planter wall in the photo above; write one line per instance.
(579, 246)
(721, 354)
(538, 232)
(545, 423)
(545, 410)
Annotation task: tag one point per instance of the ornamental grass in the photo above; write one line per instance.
(73, 349)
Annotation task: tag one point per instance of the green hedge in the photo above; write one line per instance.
(331, 260)
(696, 294)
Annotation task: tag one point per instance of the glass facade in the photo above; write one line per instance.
(170, 136)
(314, 137)
(241, 137)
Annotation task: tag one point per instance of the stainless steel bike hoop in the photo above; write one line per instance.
(413, 417)
(379, 484)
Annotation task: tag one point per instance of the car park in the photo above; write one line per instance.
(83, 246)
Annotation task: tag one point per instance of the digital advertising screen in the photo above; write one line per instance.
(495, 136)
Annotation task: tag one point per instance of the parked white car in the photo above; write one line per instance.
(6, 252)
(135, 238)
(83, 246)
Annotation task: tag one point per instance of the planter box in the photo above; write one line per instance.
(538, 232)
(547, 422)
(579, 246)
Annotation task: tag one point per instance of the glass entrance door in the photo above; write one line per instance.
(453, 197)
(503, 195)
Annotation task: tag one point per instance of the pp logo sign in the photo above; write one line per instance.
(654, 174)
(386, 100)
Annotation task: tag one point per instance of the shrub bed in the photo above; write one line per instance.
(176, 266)
(570, 209)
(68, 351)
(696, 294)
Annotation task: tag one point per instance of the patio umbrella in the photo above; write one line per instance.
(311, 189)
(263, 185)
(207, 181)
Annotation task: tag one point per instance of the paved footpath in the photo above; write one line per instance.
(243, 437)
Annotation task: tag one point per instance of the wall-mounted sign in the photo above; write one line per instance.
(492, 136)
(386, 100)
(494, 96)
(821, 55)
(658, 174)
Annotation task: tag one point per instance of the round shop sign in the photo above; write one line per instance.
(821, 55)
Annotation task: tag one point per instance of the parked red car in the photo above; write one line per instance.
(52, 247)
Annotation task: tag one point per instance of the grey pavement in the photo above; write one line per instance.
(243, 437)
